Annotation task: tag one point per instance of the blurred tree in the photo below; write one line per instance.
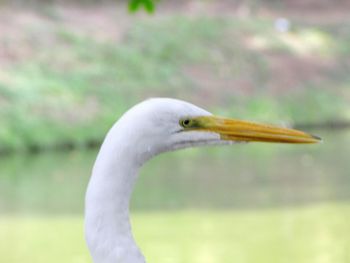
(135, 5)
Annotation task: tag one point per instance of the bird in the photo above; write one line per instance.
(150, 128)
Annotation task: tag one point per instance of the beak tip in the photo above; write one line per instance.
(317, 138)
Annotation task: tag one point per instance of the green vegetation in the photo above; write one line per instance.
(311, 234)
(67, 73)
(254, 203)
(134, 5)
(71, 85)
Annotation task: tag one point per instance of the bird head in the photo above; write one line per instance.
(161, 124)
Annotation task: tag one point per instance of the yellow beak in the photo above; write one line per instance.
(238, 130)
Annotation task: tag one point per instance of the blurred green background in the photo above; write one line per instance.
(69, 69)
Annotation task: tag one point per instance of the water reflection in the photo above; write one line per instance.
(242, 176)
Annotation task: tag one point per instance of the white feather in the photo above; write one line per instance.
(147, 129)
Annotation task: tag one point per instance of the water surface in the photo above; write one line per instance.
(245, 203)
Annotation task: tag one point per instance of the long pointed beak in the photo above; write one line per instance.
(238, 130)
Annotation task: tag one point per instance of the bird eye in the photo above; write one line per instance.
(185, 123)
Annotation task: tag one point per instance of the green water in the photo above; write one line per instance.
(245, 203)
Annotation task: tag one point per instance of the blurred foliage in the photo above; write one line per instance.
(72, 84)
(149, 5)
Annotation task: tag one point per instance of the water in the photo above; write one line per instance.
(253, 203)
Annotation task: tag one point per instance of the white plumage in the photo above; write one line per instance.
(150, 128)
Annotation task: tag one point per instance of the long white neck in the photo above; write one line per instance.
(107, 224)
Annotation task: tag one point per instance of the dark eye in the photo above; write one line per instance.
(185, 123)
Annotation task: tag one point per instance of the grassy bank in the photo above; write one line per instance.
(64, 80)
(309, 234)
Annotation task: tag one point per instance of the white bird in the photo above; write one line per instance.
(150, 128)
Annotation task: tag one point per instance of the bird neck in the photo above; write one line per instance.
(107, 224)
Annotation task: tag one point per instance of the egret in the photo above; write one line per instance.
(152, 127)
